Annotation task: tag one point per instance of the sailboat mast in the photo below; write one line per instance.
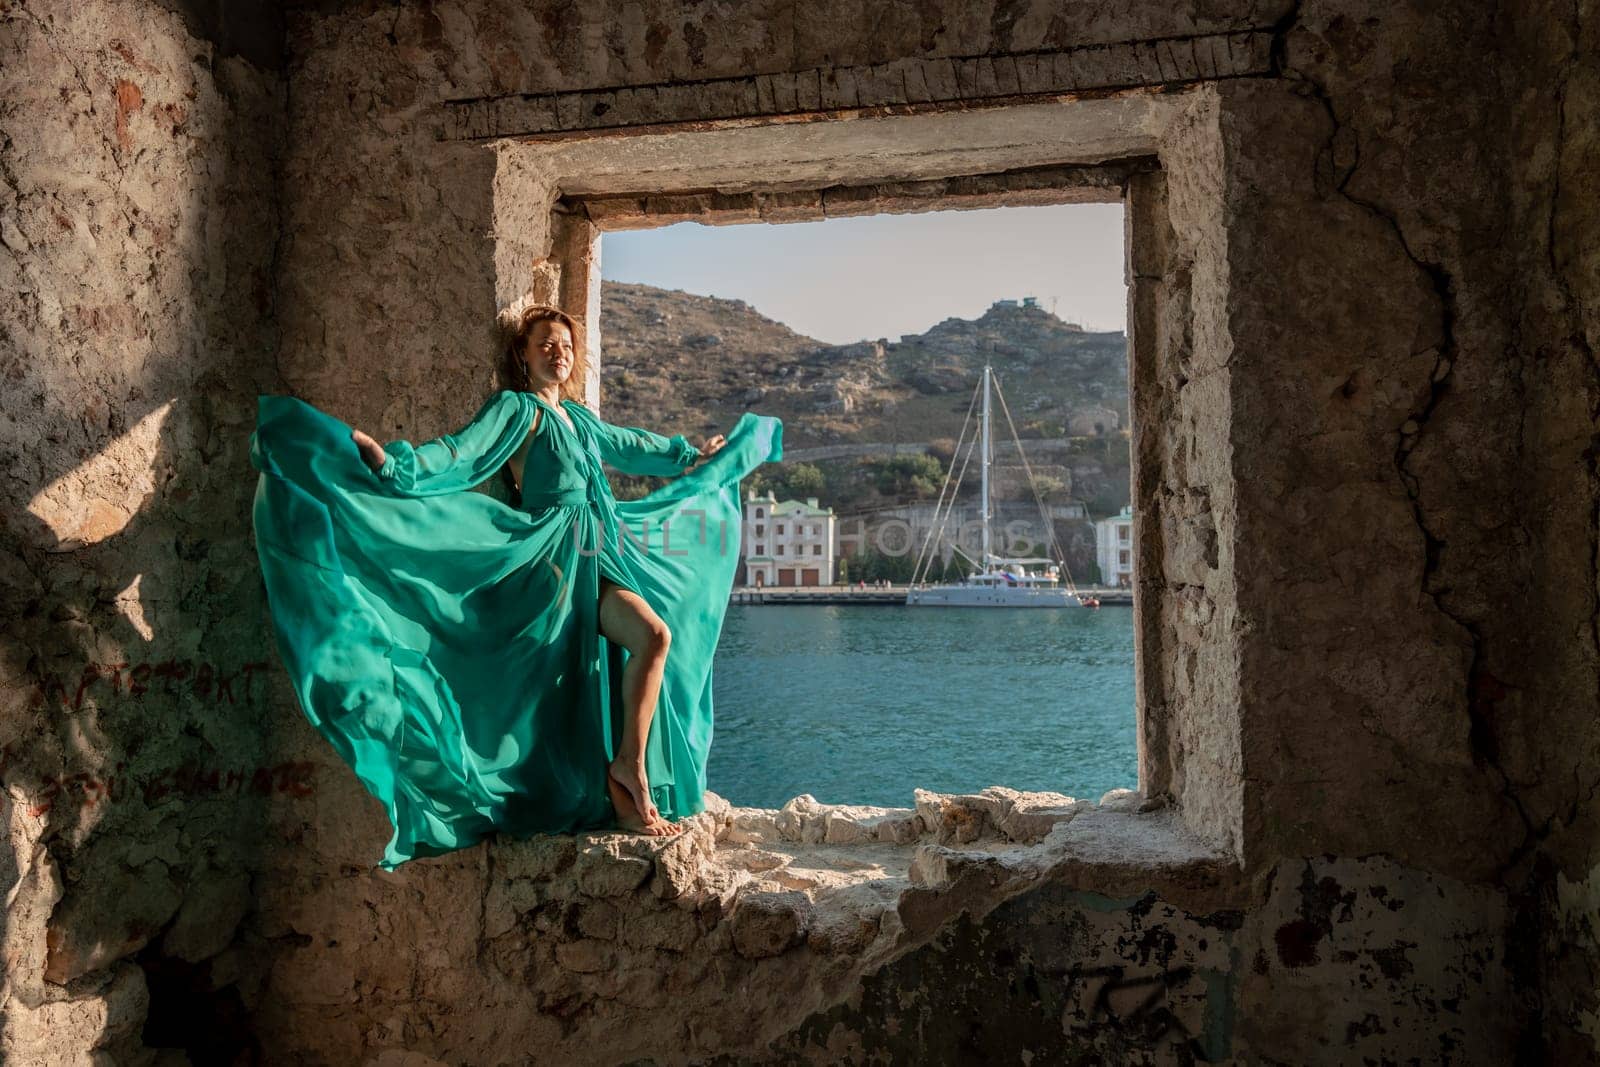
(983, 510)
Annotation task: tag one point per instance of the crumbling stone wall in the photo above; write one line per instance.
(138, 228)
(1365, 281)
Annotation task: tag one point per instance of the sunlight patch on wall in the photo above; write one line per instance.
(131, 604)
(98, 498)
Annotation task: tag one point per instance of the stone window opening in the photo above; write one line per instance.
(1182, 823)
(595, 215)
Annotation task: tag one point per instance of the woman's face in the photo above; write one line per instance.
(548, 354)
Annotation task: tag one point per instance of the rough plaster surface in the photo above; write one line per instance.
(138, 220)
(1364, 306)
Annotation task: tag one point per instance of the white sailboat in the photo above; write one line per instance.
(996, 581)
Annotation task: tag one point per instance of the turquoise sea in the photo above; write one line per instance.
(857, 705)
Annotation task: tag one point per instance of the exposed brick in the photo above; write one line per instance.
(568, 110)
(1006, 80)
(986, 83)
(886, 84)
(1135, 64)
(625, 110)
(721, 98)
(647, 103)
(677, 103)
(733, 207)
(844, 201)
(1063, 74)
(1260, 47)
(536, 113)
(868, 93)
(966, 78)
(1034, 74)
(1156, 64)
(789, 206)
(1183, 59)
(839, 88)
(472, 120)
(604, 210)
(916, 83)
(499, 114)
(1249, 53)
(808, 90)
(784, 96)
(684, 207)
(941, 79)
(748, 99)
(1092, 67)
(881, 84)
(596, 109)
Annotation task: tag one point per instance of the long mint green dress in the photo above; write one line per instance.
(448, 644)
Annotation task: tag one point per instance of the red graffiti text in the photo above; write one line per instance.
(208, 682)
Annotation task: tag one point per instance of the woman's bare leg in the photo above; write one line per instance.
(627, 620)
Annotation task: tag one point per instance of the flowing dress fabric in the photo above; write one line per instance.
(448, 645)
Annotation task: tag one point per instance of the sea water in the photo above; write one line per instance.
(858, 704)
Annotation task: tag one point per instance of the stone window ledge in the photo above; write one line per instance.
(860, 884)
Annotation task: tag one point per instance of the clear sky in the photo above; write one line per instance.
(856, 279)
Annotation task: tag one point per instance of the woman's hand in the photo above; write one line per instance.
(711, 447)
(372, 453)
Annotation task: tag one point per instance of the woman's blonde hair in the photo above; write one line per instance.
(519, 327)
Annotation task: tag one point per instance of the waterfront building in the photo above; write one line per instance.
(1113, 542)
(788, 542)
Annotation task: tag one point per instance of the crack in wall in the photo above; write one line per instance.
(1530, 893)
(1482, 688)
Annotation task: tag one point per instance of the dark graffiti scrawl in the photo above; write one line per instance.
(88, 789)
(206, 682)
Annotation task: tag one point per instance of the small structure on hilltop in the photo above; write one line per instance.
(787, 543)
(1093, 422)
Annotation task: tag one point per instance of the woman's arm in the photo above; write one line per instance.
(633, 450)
(459, 460)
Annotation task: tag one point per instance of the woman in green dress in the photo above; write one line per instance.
(544, 667)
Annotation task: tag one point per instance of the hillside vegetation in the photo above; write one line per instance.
(679, 362)
(684, 363)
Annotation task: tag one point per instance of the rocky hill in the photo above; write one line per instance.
(681, 363)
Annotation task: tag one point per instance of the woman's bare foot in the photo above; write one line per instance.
(628, 816)
(630, 775)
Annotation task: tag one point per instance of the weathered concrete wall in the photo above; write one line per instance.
(1064, 975)
(1186, 519)
(1405, 425)
(1366, 289)
(138, 222)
